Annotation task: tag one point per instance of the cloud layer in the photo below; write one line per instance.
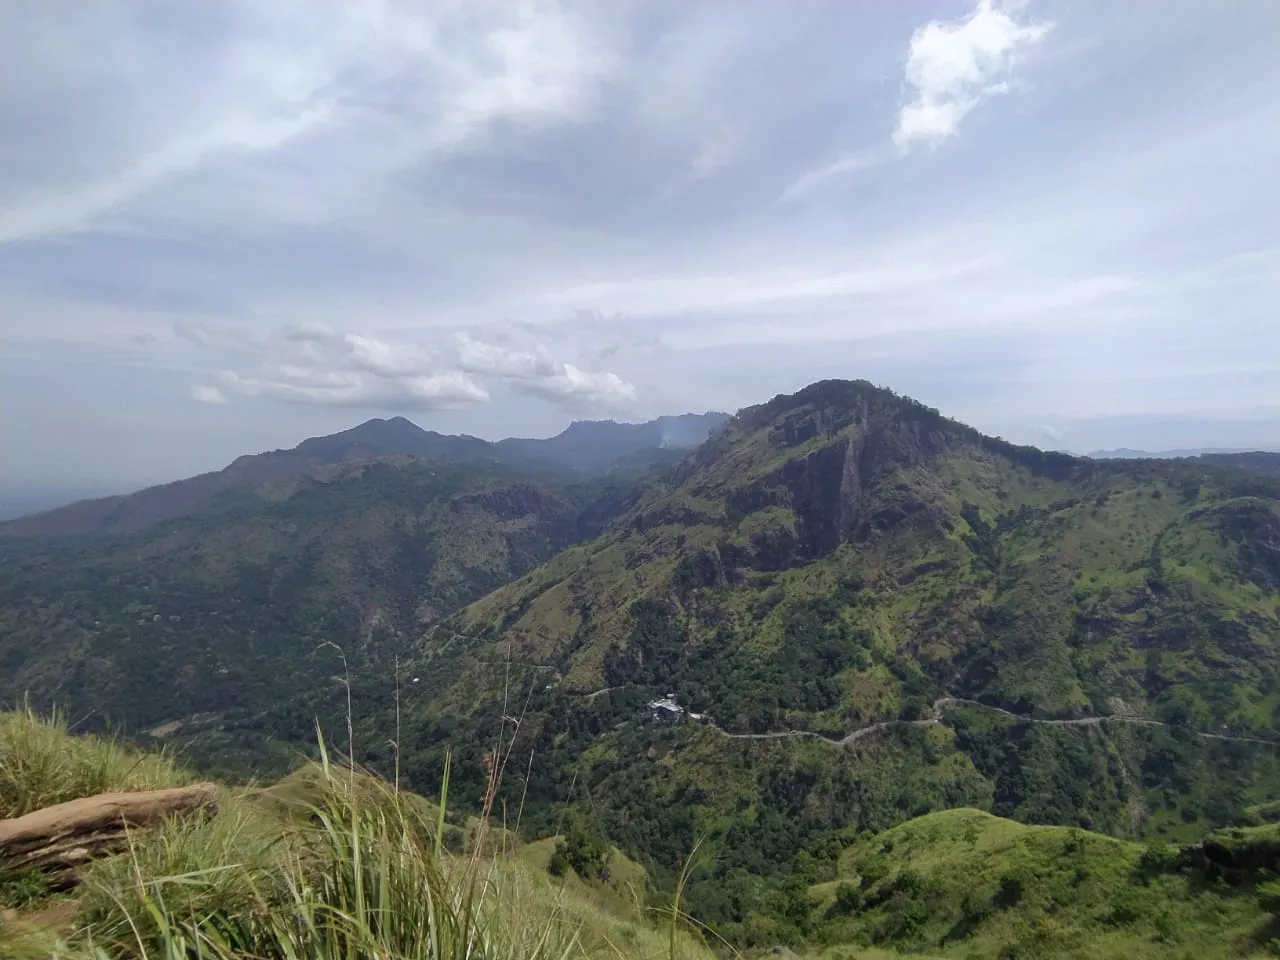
(241, 223)
(316, 364)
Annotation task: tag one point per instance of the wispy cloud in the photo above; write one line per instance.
(60, 212)
(420, 82)
(207, 393)
(846, 164)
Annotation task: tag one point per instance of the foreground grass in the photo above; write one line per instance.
(339, 866)
(41, 764)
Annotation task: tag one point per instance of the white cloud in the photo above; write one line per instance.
(315, 364)
(953, 66)
(534, 371)
(493, 359)
(206, 393)
(581, 389)
(445, 391)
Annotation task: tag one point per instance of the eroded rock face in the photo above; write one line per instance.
(837, 492)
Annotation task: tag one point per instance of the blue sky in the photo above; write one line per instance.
(225, 226)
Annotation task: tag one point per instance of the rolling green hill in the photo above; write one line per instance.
(964, 883)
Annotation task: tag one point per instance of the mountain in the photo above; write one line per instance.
(1128, 453)
(229, 608)
(1260, 460)
(593, 445)
(864, 612)
(877, 612)
(965, 546)
(586, 447)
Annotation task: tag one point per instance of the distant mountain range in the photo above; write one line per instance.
(586, 447)
(1218, 453)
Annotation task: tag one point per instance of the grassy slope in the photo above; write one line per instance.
(346, 855)
(965, 883)
(959, 883)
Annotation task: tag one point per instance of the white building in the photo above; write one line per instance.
(666, 710)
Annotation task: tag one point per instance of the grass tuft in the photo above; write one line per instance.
(42, 763)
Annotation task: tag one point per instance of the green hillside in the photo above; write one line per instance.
(328, 863)
(332, 862)
(1030, 580)
(867, 612)
(227, 611)
(964, 883)
(845, 559)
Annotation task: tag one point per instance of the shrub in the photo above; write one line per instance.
(585, 854)
(848, 899)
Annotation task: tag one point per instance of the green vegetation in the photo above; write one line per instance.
(41, 764)
(336, 863)
(210, 619)
(970, 884)
(878, 613)
(354, 870)
(844, 558)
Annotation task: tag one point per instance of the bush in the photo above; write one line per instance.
(558, 865)
(1159, 857)
(19, 890)
(1013, 886)
(872, 870)
(848, 899)
(586, 855)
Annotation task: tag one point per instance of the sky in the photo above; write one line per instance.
(227, 225)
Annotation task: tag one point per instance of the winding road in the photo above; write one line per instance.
(942, 703)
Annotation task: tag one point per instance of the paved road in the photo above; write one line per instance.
(940, 705)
